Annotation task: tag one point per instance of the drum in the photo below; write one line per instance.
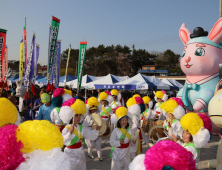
(107, 133)
(146, 125)
(157, 132)
(158, 122)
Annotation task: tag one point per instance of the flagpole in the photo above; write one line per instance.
(48, 56)
(67, 64)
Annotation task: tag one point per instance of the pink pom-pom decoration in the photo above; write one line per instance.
(108, 92)
(179, 101)
(206, 121)
(69, 102)
(139, 100)
(58, 92)
(163, 91)
(10, 155)
(86, 101)
(169, 153)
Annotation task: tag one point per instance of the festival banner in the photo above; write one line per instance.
(21, 62)
(56, 65)
(82, 55)
(67, 64)
(36, 62)
(30, 59)
(25, 45)
(52, 47)
(2, 50)
(5, 63)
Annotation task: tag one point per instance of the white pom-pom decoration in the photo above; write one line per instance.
(66, 114)
(150, 104)
(114, 119)
(201, 138)
(66, 97)
(137, 163)
(179, 112)
(134, 109)
(44, 160)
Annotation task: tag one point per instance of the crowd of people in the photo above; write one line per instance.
(124, 120)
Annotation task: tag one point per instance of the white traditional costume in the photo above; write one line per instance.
(135, 110)
(92, 103)
(106, 111)
(74, 141)
(120, 153)
(164, 97)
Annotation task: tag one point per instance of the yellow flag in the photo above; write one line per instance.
(21, 62)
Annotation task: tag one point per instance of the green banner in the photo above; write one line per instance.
(82, 55)
(52, 46)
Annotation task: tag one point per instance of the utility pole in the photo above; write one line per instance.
(220, 14)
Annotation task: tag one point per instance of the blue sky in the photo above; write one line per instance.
(149, 24)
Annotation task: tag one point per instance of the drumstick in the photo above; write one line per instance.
(136, 136)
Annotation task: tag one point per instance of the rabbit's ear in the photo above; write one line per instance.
(184, 34)
(18, 83)
(216, 32)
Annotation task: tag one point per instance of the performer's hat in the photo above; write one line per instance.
(199, 126)
(105, 96)
(147, 100)
(92, 103)
(61, 95)
(161, 95)
(119, 113)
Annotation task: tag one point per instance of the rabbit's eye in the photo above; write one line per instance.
(200, 52)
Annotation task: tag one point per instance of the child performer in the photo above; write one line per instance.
(105, 100)
(120, 139)
(146, 115)
(92, 107)
(160, 97)
(174, 108)
(196, 133)
(73, 134)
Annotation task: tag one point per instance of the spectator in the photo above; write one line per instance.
(13, 100)
(73, 93)
(28, 106)
(80, 96)
(46, 108)
(174, 94)
(37, 104)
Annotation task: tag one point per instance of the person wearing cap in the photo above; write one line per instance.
(92, 105)
(60, 95)
(160, 97)
(174, 110)
(146, 115)
(134, 108)
(73, 133)
(105, 99)
(196, 133)
(116, 97)
(120, 139)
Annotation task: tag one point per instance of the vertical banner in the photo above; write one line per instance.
(25, 45)
(29, 72)
(67, 64)
(82, 55)
(52, 47)
(2, 51)
(36, 62)
(56, 65)
(5, 65)
(21, 62)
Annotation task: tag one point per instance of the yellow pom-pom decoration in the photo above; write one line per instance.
(68, 92)
(146, 100)
(114, 92)
(191, 122)
(131, 102)
(92, 101)
(136, 95)
(103, 96)
(121, 112)
(169, 106)
(159, 94)
(38, 134)
(8, 112)
(79, 107)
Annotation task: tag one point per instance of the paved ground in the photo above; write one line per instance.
(207, 153)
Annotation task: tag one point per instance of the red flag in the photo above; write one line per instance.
(48, 88)
(1, 84)
(33, 89)
(2, 50)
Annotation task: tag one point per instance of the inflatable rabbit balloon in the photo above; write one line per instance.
(200, 62)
